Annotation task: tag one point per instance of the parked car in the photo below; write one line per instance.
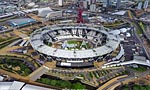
(2, 28)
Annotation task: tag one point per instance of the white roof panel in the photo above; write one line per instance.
(16, 85)
(31, 87)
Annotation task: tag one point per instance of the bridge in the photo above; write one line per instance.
(141, 62)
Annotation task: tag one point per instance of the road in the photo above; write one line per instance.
(121, 80)
(133, 22)
(144, 49)
(111, 82)
(132, 75)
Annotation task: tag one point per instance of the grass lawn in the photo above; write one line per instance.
(78, 43)
(140, 68)
(5, 39)
(74, 42)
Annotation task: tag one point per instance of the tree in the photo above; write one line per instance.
(136, 87)
(125, 88)
(42, 80)
(78, 86)
(22, 66)
(47, 81)
(53, 82)
(27, 70)
(8, 61)
(142, 88)
(147, 87)
(65, 84)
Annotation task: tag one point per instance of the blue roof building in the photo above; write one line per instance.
(21, 22)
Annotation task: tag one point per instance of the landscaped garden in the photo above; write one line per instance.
(140, 68)
(15, 66)
(6, 41)
(62, 83)
(113, 24)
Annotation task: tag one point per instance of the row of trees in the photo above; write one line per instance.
(136, 87)
(62, 83)
(6, 41)
(140, 68)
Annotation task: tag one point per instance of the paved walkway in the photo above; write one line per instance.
(38, 73)
(114, 86)
(20, 34)
(106, 85)
(35, 17)
(50, 65)
(7, 49)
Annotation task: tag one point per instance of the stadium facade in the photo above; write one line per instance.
(74, 44)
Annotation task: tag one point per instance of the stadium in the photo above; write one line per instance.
(74, 45)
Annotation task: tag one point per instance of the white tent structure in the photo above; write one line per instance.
(54, 14)
(120, 13)
(31, 4)
(42, 12)
(115, 32)
(123, 30)
(128, 35)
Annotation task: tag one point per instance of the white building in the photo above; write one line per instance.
(93, 7)
(54, 14)
(85, 4)
(16, 85)
(42, 12)
(60, 2)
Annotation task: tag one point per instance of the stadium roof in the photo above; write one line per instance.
(38, 44)
(16, 85)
